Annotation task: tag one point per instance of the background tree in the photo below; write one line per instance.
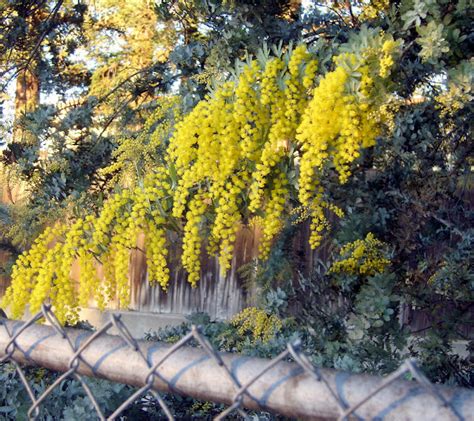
(38, 40)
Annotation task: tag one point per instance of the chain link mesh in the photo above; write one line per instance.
(292, 352)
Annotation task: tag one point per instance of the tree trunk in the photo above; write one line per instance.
(27, 98)
(27, 94)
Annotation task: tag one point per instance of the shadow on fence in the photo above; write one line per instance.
(288, 385)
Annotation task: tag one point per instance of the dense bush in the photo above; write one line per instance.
(354, 128)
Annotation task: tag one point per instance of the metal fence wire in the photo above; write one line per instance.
(288, 385)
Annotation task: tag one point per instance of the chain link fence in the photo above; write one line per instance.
(288, 385)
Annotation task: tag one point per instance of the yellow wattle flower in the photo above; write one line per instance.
(233, 158)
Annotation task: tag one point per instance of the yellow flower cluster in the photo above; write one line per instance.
(249, 112)
(227, 219)
(386, 61)
(285, 108)
(156, 253)
(364, 257)
(232, 147)
(257, 323)
(192, 240)
(232, 159)
(210, 160)
(339, 121)
(44, 272)
(25, 273)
